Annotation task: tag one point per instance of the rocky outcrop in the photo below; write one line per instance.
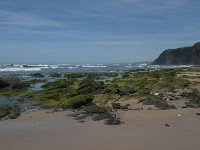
(13, 83)
(180, 56)
(9, 112)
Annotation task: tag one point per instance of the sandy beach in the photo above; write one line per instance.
(143, 129)
(99, 75)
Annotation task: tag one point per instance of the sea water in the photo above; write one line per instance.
(26, 69)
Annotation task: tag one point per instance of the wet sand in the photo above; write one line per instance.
(144, 129)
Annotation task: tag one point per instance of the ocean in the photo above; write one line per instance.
(10, 70)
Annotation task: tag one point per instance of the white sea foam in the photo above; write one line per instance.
(54, 66)
(19, 69)
(71, 67)
(143, 64)
(169, 66)
(129, 66)
(93, 66)
(51, 67)
(116, 64)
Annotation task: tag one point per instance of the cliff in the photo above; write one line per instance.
(180, 56)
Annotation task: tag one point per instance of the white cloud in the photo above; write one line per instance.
(85, 13)
(24, 19)
(156, 4)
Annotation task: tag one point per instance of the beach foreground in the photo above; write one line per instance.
(143, 129)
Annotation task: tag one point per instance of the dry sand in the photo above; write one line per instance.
(143, 129)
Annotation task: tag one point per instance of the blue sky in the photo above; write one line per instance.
(95, 31)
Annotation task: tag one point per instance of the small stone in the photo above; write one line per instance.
(167, 125)
(156, 94)
(81, 121)
(184, 107)
(113, 121)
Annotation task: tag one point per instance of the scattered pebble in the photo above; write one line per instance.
(113, 121)
(167, 125)
(179, 115)
(81, 121)
(184, 107)
(156, 94)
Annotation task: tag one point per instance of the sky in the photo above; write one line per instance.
(95, 31)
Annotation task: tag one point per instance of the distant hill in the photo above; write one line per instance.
(180, 56)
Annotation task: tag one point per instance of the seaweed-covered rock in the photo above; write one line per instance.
(14, 113)
(95, 109)
(11, 112)
(194, 101)
(78, 101)
(119, 106)
(37, 75)
(13, 83)
(4, 111)
(55, 75)
(162, 104)
(3, 83)
(102, 116)
(116, 105)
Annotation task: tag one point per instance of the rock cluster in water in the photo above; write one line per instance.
(12, 83)
(9, 112)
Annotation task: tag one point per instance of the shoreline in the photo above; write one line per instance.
(143, 129)
(154, 110)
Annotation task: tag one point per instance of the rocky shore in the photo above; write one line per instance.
(134, 110)
(89, 95)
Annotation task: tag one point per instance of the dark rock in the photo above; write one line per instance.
(167, 125)
(81, 121)
(102, 116)
(13, 83)
(113, 121)
(184, 107)
(15, 114)
(37, 75)
(95, 109)
(194, 101)
(3, 83)
(80, 117)
(3, 113)
(119, 106)
(180, 56)
(57, 109)
(55, 75)
(136, 109)
(11, 112)
(184, 94)
(198, 114)
(116, 105)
